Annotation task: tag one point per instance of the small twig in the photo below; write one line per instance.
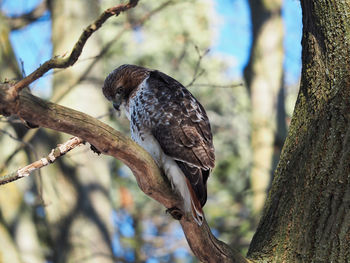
(25, 141)
(63, 92)
(18, 22)
(197, 72)
(52, 157)
(61, 62)
(22, 68)
(218, 86)
(18, 140)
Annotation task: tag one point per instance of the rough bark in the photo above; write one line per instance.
(307, 216)
(263, 76)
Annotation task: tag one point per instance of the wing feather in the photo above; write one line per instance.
(183, 130)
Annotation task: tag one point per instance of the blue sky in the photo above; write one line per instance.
(234, 37)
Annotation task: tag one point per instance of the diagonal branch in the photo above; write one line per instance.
(127, 26)
(111, 142)
(62, 92)
(61, 62)
(18, 22)
(59, 151)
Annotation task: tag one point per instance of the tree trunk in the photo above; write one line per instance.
(79, 210)
(263, 75)
(18, 234)
(307, 216)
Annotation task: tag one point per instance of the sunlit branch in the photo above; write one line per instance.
(108, 141)
(111, 142)
(52, 157)
(61, 62)
(63, 92)
(59, 95)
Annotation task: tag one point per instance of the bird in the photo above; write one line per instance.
(171, 125)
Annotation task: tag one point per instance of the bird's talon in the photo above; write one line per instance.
(94, 149)
(175, 212)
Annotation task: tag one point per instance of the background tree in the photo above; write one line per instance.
(264, 77)
(77, 201)
(16, 200)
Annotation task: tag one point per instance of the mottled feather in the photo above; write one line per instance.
(162, 112)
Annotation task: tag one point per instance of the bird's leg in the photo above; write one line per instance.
(175, 212)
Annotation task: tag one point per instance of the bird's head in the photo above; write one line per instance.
(121, 82)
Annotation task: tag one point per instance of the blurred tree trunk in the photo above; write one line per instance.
(8, 65)
(307, 215)
(18, 235)
(76, 192)
(263, 76)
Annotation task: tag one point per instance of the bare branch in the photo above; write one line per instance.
(18, 22)
(61, 62)
(63, 92)
(228, 86)
(52, 157)
(15, 100)
(198, 71)
(111, 142)
(60, 95)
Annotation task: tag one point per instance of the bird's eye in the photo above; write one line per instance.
(119, 90)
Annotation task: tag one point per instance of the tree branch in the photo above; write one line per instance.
(127, 26)
(59, 151)
(61, 62)
(15, 100)
(111, 142)
(18, 22)
(63, 92)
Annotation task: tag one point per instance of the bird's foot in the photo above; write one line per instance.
(175, 212)
(94, 149)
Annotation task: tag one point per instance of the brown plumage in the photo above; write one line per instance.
(171, 125)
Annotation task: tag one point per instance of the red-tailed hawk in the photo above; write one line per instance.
(170, 124)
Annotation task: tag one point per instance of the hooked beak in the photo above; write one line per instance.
(116, 105)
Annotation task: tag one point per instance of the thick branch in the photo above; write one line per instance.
(109, 141)
(61, 62)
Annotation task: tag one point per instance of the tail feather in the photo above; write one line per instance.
(196, 207)
(197, 177)
(189, 185)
